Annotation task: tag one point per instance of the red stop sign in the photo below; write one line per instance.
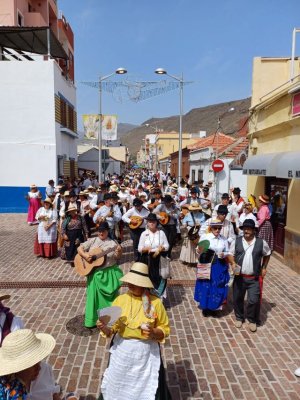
(217, 165)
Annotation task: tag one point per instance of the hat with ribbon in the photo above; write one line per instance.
(138, 275)
(264, 199)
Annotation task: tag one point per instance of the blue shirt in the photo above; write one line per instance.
(12, 389)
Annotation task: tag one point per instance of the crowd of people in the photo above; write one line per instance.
(228, 241)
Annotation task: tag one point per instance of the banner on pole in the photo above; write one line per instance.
(109, 127)
(91, 125)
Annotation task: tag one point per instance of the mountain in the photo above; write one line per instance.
(198, 119)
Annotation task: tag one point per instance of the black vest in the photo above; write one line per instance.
(257, 254)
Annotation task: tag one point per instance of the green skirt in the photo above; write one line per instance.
(102, 289)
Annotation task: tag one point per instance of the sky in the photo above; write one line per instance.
(212, 43)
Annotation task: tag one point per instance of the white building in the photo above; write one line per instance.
(233, 153)
(38, 125)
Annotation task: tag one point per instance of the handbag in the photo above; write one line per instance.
(204, 265)
(164, 267)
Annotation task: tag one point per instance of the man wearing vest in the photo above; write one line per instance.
(251, 255)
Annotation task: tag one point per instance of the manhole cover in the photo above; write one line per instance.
(76, 327)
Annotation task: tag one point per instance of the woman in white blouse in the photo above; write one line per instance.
(45, 243)
(153, 243)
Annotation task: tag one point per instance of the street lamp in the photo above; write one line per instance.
(156, 130)
(119, 71)
(161, 71)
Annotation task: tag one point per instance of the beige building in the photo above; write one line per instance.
(168, 142)
(273, 166)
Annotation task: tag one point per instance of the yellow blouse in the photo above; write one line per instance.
(129, 324)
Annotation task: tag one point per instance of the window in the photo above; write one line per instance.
(20, 19)
(200, 175)
(63, 112)
(193, 175)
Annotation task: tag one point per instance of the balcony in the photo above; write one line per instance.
(34, 19)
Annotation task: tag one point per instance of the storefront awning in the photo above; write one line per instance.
(282, 165)
(261, 165)
(288, 165)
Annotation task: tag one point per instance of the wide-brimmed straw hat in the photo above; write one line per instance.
(138, 276)
(47, 200)
(264, 198)
(4, 296)
(23, 349)
(82, 193)
(195, 206)
(71, 208)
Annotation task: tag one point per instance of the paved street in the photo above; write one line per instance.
(206, 358)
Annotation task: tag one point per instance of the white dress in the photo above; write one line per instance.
(50, 235)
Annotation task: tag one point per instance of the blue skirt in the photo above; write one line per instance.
(210, 294)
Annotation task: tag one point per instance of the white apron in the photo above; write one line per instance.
(133, 370)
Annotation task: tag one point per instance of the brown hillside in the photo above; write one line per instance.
(198, 119)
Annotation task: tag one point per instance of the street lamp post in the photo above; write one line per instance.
(161, 71)
(119, 71)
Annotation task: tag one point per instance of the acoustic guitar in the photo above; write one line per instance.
(164, 218)
(135, 221)
(84, 268)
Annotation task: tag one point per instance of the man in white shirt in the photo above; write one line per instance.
(251, 255)
(138, 210)
(110, 213)
(232, 215)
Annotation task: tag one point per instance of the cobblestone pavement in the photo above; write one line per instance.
(205, 358)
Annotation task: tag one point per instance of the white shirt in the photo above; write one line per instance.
(104, 210)
(134, 212)
(247, 266)
(219, 244)
(244, 216)
(153, 240)
(16, 324)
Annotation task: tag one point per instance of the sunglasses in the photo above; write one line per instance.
(216, 228)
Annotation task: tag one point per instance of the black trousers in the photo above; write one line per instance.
(135, 236)
(171, 233)
(241, 286)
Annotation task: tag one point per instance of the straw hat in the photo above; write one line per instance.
(138, 275)
(23, 349)
(264, 199)
(47, 200)
(215, 222)
(33, 186)
(4, 296)
(91, 187)
(67, 193)
(114, 188)
(82, 193)
(71, 208)
(195, 206)
(175, 186)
